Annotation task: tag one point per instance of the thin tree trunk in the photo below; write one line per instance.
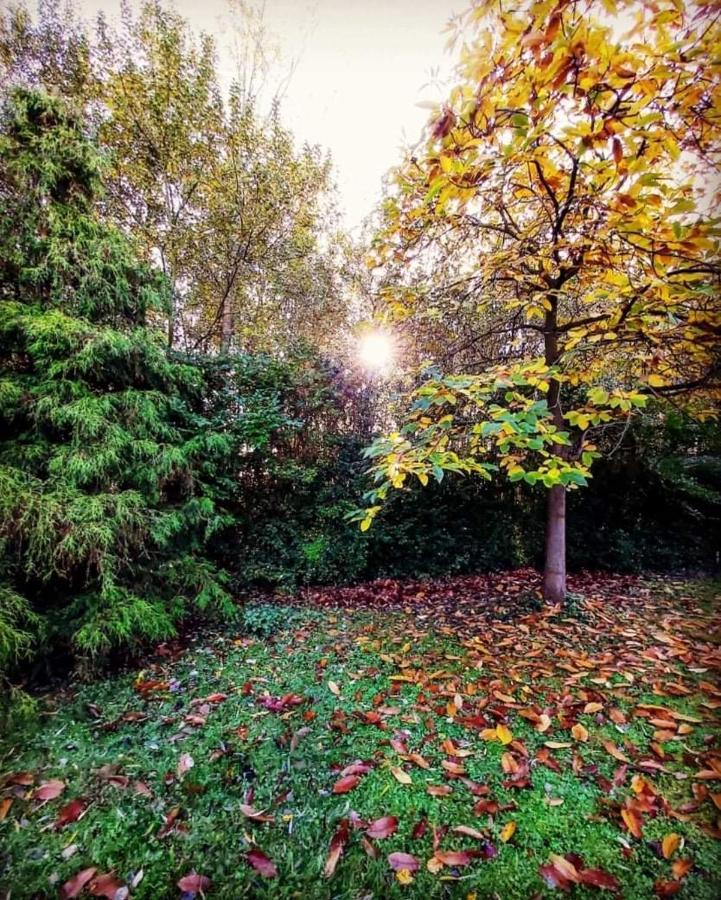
(171, 323)
(227, 325)
(554, 573)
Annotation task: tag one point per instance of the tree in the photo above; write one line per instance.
(107, 466)
(213, 189)
(558, 216)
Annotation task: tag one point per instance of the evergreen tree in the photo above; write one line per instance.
(106, 462)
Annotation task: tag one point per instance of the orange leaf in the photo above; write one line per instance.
(670, 844)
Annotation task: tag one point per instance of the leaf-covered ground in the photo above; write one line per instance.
(451, 739)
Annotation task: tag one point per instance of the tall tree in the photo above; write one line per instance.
(558, 216)
(107, 466)
(212, 187)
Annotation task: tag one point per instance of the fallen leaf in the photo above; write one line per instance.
(108, 886)
(383, 827)
(337, 846)
(401, 775)
(508, 830)
(579, 732)
(49, 790)
(399, 861)
(256, 815)
(71, 812)
(194, 883)
(185, 764)
(670, 844)
(76, 884)
(346, 784)
(261, 863)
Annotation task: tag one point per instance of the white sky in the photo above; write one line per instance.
(360, 69)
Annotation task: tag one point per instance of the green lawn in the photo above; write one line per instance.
(556, 722)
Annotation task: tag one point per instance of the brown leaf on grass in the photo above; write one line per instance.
(75, 885)
(357, 768)
(194, 883)
(579, 732)
(611, 748)
(666, 888)
(108, 886)
(5, 807)
(632, 821)
(49, 790)
(403, 861)
(439, 790)
(346, 784)
(256, 815)
(261, 863)
(469, 832)
(383, 827)
(681, 868)
(185, 764)
(337, 846)
(453, 857)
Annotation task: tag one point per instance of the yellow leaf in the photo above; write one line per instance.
(507, 832)
(579, 732)
(504, 734)
(656, 381)
(404, 876)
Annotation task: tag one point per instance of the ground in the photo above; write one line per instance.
(508, 750)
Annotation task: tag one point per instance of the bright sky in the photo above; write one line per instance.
(361, 68)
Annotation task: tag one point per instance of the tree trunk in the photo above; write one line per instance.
(227, 325)
(554, 573)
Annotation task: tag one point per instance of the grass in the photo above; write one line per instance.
(427, 681)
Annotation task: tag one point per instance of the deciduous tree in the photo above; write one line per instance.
(560, 214)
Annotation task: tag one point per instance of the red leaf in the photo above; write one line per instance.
(398, 861)
(261, 863)
(71, 812)
(383, 827)
(75, 885)
(600, 879)
(554, 878)
(344, 785)
(198, 884)
(337, 846)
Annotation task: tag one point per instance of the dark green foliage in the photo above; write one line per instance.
(105, 463)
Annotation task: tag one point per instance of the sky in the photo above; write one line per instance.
(359, 69)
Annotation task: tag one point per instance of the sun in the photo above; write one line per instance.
(377, 351)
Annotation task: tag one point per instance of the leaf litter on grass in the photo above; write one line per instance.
(405, 737)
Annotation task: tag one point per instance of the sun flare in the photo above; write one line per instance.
(377, 351)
